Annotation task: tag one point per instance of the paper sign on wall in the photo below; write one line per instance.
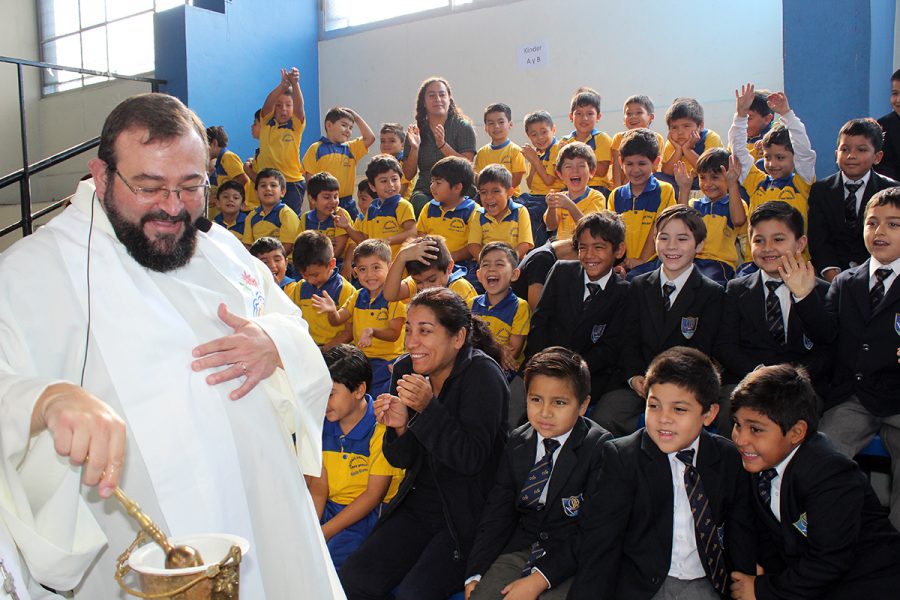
(533, 56)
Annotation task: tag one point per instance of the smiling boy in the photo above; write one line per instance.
(574, 164)
(502, 151)
(273, 218)
(584, 114)
(499, 218)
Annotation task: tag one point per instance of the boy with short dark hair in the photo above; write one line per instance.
(823, 532)
(357, 480)
(502, 151)
(230, 199)
(584, 112)
(890, 123)
(390, 217)
(759, 121)
(723, 210)
(225, 165)
(337, 154)
(575, 163)
(789, 159)
(428, 262)
(688, 137)
(541, 154)
(377, 323)
(837, 203)
(864, 302)
(273, 217)
(282, 122)
(526, 540)
(499, 218)
(324, 202)
(314, 260)
(583, 304)
(674, 518)
(271, 252)
(674, 305)
(638, 114)
(643, 197)
(507, 315)
(391, 138)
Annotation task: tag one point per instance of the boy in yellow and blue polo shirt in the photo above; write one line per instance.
(282, 122)
(314, 260)
(451, 214)
(270, 252)
(336, 154)
(638, 113)
(273, 218)
(391, 139)
(501, 150)
(507, 315)
(575, 164)
(377, 324)
(688, 138)
(641, 199)
(759, 122)
(541, 177)
(356, 472)
(790, 161)
(427, 261)
(225, 165)
(390, 217)
(585, 114)
(724, 212)
(499, 218)
(324, 205)
(230, 198)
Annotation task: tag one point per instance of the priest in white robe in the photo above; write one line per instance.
(137, 349)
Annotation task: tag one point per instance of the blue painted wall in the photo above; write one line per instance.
(224, 59)
(837, 65)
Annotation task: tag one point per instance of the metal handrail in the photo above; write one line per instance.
(23, 175)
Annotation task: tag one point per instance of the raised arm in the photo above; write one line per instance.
(737, 133)
(804, 155)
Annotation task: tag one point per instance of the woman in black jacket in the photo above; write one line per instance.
(445, 420)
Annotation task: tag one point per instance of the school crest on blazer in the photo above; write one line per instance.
(597, 332)
(807, 343)
(801, 524)
(897, 323)
(689, 326)
(572, 505)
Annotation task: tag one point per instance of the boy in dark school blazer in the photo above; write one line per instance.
(764, 322)
(864, 397)
(823, 533)
(583, 303)
(526, 537)
(674, 305)
(674, 516)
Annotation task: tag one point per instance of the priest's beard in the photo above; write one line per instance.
(166, 252)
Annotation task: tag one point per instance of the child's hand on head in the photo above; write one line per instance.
(682, 177)
(758, 147)
(324, 303)
(412, 134)
(779, 103)
(743, 99)
(424, 252)
(734, 169)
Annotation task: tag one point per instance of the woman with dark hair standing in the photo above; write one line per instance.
(445, 421)
(441, 129)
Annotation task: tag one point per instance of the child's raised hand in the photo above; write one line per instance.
(798, 275)
(743, 99)
(778, 102)
(415, 391)
(341, 220)
(412, 134)
(439, 137)
(733, 173)
(285, 78)
(529, 152)
(323, 304)
(389, 411)
(424, 252)
(682, 177)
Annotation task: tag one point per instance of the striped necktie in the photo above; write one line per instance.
(538, 476)
(876, 294)
(764, 486)
(709, 545)
(850, 211)
(774, 316)
(668, 289)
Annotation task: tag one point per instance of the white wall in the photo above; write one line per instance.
(654, 47)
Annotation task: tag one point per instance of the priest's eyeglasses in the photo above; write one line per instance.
(152, 195)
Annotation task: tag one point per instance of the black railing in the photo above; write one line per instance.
(23, 175)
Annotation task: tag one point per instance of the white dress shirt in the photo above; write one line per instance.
(775, 497)
(601, 282)
(678, 281)
(784, 298)
(874, 265)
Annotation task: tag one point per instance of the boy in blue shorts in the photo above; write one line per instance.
(541, 177)
(638, 114)
(324, 200)
(377, 323)
(337, 154)
(499, 218)
(527, 537)
(822, 531)
(230, 199)
(642, 198)
(688, 137)
(507, 315)
(451, 213)
(391, 139)
(502, 151)
(584, 113)
(314, 260)
(356, 477)
(575, 163)
(428, 262)
(723, 210)
(271, 252)
(273, 217)
(390, 217)
(282, 122)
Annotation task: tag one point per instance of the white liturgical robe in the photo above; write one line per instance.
(196, 461)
